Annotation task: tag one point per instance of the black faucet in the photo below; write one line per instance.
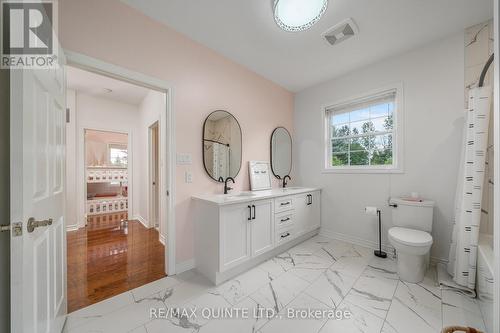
(284, 180)
(227, 188)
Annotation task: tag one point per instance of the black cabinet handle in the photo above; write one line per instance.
(253, 218)
(285, 203)
(285, 235)
(249, 213)
(284, 220)
(309, 199)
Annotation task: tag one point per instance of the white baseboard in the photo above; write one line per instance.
(184, 266)
(355, 240)
(162, 239)
(370, 244)
(72, 227)
(142, 220)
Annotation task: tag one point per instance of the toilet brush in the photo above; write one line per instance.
(372, 211)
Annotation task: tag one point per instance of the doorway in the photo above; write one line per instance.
(117, 222)
(107, 171)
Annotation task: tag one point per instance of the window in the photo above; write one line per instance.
(118, 154)
(362, 134)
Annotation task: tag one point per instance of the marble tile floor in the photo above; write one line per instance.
(349, 289)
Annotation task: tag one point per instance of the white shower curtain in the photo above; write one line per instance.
(463, 249)
(220, 160)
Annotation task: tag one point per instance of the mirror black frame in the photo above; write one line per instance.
(271, 151)
(203, 144)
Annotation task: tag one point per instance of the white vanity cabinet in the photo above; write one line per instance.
(246, 230)
(237, 231)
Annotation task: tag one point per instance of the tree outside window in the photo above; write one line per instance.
(361, 134)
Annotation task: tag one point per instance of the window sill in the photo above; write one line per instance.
(363, 170)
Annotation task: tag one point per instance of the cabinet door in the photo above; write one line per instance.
(234, 235)
(301, 214)
(262, 226)
(314, 214)
(307, 212)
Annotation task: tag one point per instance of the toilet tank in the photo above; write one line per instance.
(412, 214)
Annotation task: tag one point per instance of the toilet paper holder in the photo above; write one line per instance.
(371, 210)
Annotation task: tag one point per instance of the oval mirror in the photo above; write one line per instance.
(281, 152)
(221, 145)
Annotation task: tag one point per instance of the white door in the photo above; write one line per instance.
(234, 235)
(262, 227)
(38, 256)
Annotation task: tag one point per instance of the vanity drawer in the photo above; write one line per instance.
(284, 236)
(284, 219)
(283, 204)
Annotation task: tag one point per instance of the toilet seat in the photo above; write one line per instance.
(410, 237)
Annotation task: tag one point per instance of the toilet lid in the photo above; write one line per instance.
(410, 237)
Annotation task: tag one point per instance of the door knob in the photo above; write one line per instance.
(32, 223)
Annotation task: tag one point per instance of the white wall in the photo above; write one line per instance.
(433, 78)
(152, 109)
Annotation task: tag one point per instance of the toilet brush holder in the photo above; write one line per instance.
(379, 253)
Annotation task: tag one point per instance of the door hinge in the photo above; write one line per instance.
(67, 115)
(17, 228)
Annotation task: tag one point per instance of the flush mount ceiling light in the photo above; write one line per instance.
(298, 15)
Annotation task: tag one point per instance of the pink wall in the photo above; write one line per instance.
(203, 81)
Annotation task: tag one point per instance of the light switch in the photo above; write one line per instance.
(184, 159)
(189, 177)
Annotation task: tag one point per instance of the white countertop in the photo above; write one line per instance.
(238, 197)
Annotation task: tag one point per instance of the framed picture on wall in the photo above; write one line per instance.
(260, 175)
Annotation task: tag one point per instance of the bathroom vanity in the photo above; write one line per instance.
(234, 232)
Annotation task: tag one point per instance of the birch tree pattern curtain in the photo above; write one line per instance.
(463, 249)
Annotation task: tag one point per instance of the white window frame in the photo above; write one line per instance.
(115, 145)
(397, 139)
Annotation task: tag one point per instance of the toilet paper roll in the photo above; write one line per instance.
(371, 210)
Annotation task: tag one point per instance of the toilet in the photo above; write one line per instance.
(411, 236)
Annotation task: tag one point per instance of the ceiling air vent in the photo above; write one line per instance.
(340, 32)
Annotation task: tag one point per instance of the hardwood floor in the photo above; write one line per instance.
(109, 256)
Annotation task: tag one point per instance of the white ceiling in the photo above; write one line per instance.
(244, 31)
(97, 85)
